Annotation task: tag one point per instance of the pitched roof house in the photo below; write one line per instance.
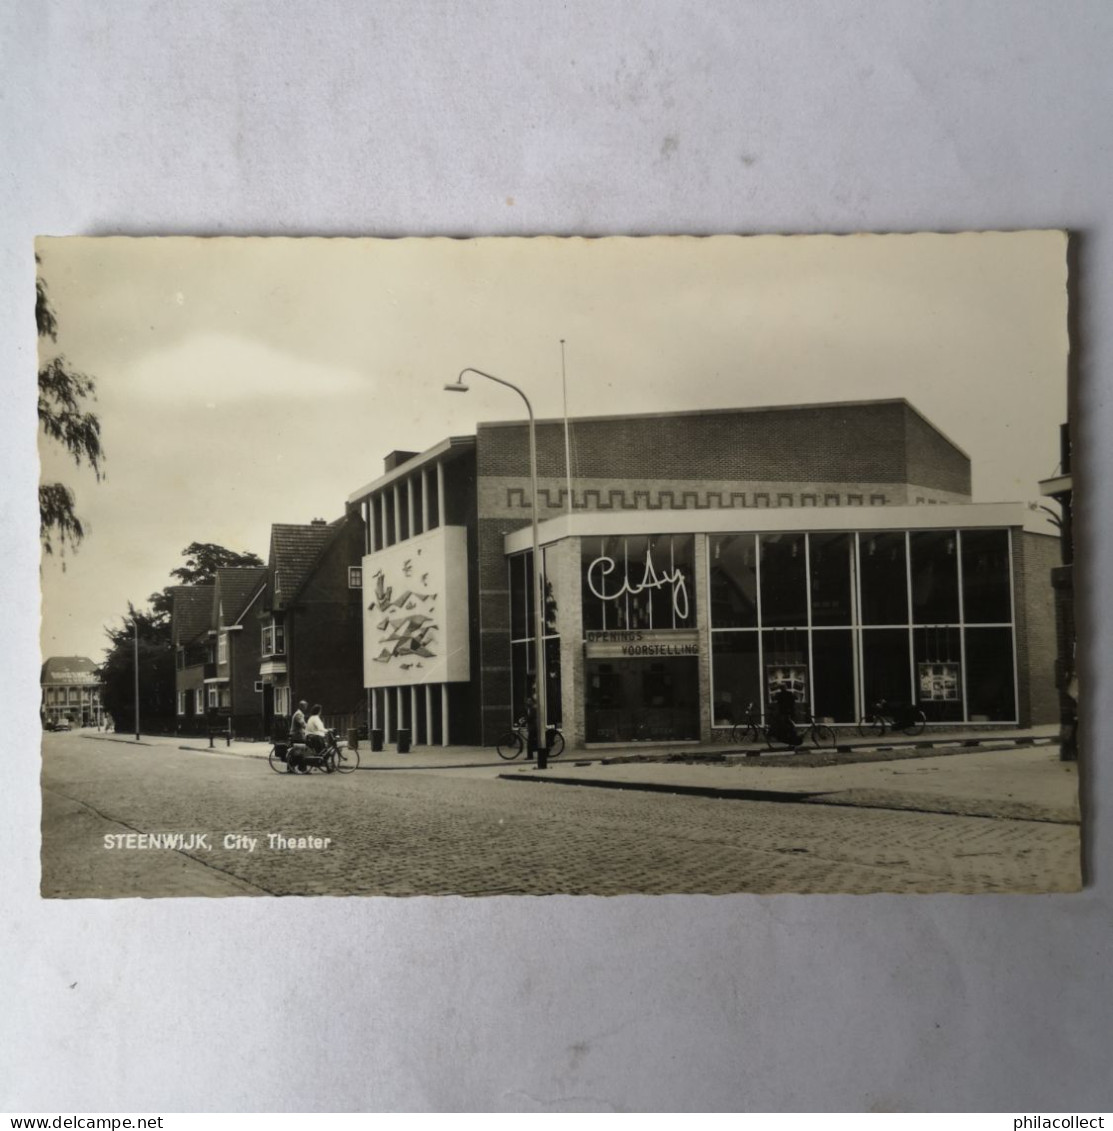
(217, 652)
(232, 689)
(309, 619)
(190, 618)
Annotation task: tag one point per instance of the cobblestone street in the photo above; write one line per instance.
(466, 832)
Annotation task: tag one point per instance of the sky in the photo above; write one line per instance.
(244, 382)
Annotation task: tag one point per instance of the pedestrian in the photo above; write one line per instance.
(298, 722)
(784, 722)
(297, 737)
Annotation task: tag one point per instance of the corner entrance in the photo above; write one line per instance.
(642, 700)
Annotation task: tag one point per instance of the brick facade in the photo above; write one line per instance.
(324, 630)
(1035, 556)
(872, 442)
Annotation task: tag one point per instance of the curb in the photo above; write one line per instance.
(893, 803)
(122, 741)
(659, 787)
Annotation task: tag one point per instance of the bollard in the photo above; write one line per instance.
(353, 738)
(403, 741)
(210, 738)
(376, 740)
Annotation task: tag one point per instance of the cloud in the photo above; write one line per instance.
(214, 370)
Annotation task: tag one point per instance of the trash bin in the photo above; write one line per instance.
(376, 740)
(353, 738)
(403, 742)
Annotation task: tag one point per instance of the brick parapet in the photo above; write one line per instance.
(511, 496)
(871, 442)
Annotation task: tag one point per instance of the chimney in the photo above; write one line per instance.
(396, 459)
(318, 522)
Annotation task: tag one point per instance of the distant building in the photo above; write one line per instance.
(71, 691)
(705, 561)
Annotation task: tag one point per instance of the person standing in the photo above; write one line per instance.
(298, 722)
(297, 737)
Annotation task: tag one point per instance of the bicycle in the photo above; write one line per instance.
(515, 740)
(821, 735)
(330, 759)
(750, 728)
(906, 718)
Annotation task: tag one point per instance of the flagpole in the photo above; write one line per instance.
(567, 445)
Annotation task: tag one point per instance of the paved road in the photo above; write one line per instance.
(468, 833)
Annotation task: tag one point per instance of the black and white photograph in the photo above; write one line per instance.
(557, 566)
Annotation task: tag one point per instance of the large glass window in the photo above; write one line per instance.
(885, 666)
(833, 678)
(522, 649)
(553, 595)
(519, 597)
(830, 558)
(884, 578)
(986, 592)
(736, 676)
(934, 576)
(784, 583)
(733, 580)
(638, 582)
(989, 675)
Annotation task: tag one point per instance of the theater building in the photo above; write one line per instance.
(703, 561)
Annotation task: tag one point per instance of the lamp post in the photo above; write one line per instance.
(541, 719)
(135, 629)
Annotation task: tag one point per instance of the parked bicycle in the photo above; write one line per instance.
(774, 733)
(515, 740)
(905, 717)
(750, 728)
(332, 758)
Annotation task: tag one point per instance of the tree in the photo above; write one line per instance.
(156, 651)
(156, 672)
(64, 418)
(203, 559)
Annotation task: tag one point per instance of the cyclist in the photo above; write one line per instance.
(316, 733)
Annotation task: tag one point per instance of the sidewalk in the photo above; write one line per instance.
(421, 758)
(1025, 783)
(851, 748)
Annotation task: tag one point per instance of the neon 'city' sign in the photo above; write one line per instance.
(602, 567)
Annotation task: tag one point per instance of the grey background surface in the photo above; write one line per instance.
(576, 118)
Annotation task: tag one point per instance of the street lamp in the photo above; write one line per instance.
(542, 714)
(135, 629)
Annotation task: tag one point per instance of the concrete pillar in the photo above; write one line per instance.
(564, 566)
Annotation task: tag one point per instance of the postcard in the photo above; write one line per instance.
(532, 566)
